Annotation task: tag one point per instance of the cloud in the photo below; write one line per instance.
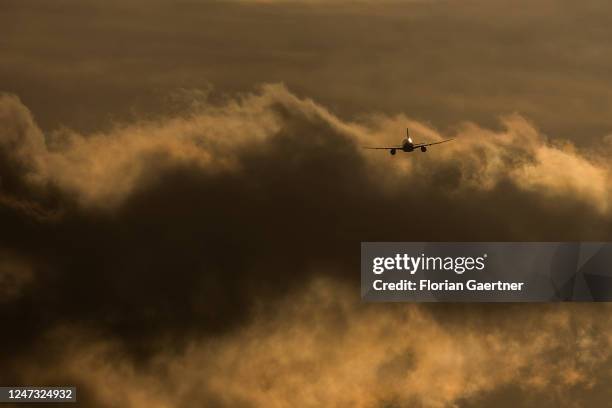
(319, 347)
(103, 169)
(194, 240)
(203, 249)
(482, 159)
(15, 275)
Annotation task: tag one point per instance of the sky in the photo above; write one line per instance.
(183, 193)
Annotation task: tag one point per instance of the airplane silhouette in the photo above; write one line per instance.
(408, 145)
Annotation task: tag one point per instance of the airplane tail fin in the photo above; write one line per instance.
(408, 135)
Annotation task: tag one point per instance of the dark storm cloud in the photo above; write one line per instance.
(187, 230)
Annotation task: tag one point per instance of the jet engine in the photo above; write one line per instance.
(392, 151)
(423, 149)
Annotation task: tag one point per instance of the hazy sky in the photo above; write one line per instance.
(183, 194)
(84, 63)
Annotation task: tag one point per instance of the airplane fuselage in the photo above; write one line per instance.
(407, 146)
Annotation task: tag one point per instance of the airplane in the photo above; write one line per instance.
(408, 145)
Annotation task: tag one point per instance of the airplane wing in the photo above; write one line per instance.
(429, 144)
(383, 148)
